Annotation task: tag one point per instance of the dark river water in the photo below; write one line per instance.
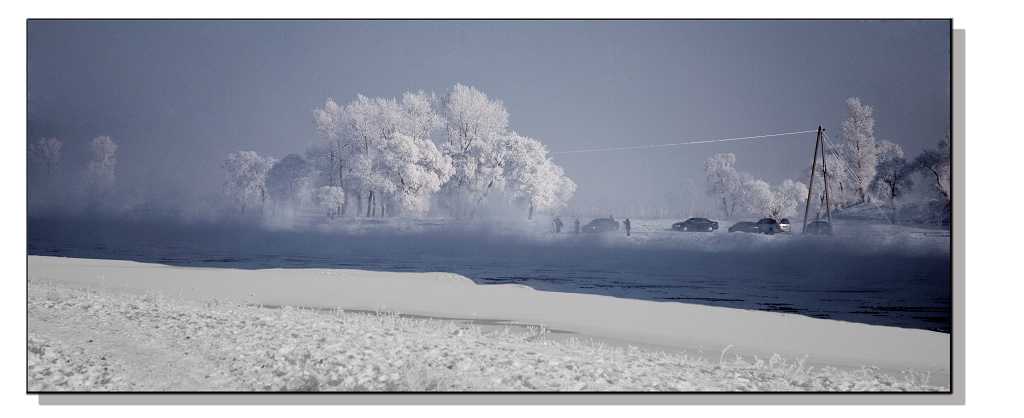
(839, 281)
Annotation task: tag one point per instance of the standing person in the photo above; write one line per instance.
(558, 224)
(577, 227)
(626, 222)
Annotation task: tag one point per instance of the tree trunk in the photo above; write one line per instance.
(481, 199)
(369, 204)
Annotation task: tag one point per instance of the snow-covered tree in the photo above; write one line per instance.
(531, 178)
(329, 198)
(858, 147)
(329, 159)
(287, 181)
(894, 177)
(934, 166)
(780, 202)
(246, 178)
(757, 197)
(381, 150)
(100, 171)
(476, 129)
(45, 154)
(413, 170)
(886, 150)
(723, 182)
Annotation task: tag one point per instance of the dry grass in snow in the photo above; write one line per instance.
(102, 339)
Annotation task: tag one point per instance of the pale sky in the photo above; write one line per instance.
(179, 96)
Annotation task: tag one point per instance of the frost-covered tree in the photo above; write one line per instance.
(382, 151)
(413, 170)
(476, 129)
(892, 172)
(789, 195)
(531, 178)
(246, 178)
(934, 164)
(723, 182)
(45, 154)
(894, 177)
(858, 147)
(886, 150)
(756, 196)
(329, 198)
(780, 202)
(100, 171)
(287, 181)
(330, 157)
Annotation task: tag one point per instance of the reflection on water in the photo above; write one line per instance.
(894, 289)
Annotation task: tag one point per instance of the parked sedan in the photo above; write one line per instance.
(696, 224)
(601, 225)
(819, 228)
(745, 227)
(770, 226)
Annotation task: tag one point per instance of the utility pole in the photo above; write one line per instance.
(810, 186)
(824, 180)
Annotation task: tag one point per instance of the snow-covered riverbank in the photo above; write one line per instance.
(236, 344)
(103, 339)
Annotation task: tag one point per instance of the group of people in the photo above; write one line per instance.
(558, 224)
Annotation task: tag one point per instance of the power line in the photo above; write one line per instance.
(681, 143)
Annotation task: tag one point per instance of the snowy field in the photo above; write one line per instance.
(223, 345)
(867, 273)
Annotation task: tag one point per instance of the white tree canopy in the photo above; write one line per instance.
(780, 202)
(100, 171)
(531, 178)
(723, 182)
(858, 146)
(415, 169)
(245, 178)
(329, 198)
(381, 149)
(45, 153)
(894, 178)
(287, 181)
(476, 128)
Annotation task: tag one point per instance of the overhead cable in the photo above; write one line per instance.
(681, 143)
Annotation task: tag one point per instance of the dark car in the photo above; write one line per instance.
(745, 227)
(696, 224)
(770, 226)
(819, 228)
(601, 225)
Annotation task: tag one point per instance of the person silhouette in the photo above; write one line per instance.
(558, 224)
(577, 227)
(626, 223)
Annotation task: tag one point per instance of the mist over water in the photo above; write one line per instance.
(901, 281)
